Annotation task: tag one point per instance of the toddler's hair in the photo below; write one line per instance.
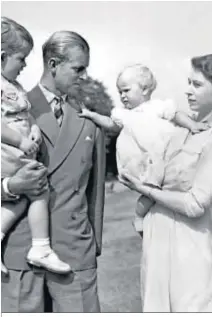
(145, 77)
(204, 65)
(13, 35)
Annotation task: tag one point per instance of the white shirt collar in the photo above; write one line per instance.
(50, 96)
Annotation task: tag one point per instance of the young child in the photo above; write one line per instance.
(146, 127)
(21, 138)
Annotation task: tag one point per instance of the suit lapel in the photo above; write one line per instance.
(70, 131)
(43, 114)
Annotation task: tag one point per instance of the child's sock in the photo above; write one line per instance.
(41, 245)
(2, 236)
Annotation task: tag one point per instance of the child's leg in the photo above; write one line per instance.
(38, 217)
(142, 207)
(41, 253)
(10, 213)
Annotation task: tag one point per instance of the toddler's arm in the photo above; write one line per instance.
(13, 138)
(35, 134)
(10, 136)
(103, 121)
(182, 119)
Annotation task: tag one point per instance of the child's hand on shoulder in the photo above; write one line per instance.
(28, 146)
(85, 113)
(199, 127)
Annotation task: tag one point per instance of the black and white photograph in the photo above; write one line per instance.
(106, 157)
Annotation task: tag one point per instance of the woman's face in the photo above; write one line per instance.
(199, 93)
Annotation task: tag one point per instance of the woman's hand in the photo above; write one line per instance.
(134, 184)
(198, 127)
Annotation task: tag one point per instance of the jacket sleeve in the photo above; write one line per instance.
(96, 189)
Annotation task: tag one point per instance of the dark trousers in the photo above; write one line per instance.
(25, 292)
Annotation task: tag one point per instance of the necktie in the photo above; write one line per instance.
(58, 112)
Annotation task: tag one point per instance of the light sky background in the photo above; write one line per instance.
(162, 35)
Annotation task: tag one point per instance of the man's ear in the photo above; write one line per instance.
(53, 63)
(3, 58)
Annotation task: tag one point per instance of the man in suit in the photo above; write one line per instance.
(74, 152)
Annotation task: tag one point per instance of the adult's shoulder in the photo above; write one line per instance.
(33, 92)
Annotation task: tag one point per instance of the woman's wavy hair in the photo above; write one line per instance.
(204, 65)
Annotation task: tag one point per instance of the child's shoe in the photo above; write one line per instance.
(48, 260)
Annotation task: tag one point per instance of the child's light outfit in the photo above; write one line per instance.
(146, 132)
(15, 109)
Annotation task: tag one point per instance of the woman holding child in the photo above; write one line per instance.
(176, 265)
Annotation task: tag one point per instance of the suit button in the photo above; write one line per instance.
(73, 217)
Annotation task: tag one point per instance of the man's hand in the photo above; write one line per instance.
(30, 180)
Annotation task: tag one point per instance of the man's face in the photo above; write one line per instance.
(69, 73)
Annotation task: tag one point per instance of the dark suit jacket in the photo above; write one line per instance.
(75, 156)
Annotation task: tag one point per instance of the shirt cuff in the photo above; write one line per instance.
(6, 189)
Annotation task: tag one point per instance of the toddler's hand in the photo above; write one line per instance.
(35, 135)
(28, 146)
(199, 126)
(85, 113)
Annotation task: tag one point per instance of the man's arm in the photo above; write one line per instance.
(96, 189)
(29, 180)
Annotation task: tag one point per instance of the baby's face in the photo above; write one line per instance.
(131, 94)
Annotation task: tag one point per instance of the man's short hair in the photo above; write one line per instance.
(60, 42)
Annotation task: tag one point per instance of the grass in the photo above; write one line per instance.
(118, 266)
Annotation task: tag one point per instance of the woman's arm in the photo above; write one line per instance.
(192, 203)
